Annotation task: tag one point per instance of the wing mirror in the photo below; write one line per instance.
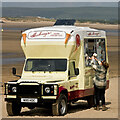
(14, 72)
(68, 72)
(76, 71)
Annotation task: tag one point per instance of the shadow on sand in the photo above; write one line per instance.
(78, 106)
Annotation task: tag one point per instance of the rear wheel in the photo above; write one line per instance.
(13, 108)
(61, 106)
(90, 100)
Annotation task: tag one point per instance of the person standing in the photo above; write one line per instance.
(100, 83)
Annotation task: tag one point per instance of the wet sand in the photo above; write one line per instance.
(31, 24)
(12, 49)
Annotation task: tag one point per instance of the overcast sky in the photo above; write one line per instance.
(59, 0)
(57, 4)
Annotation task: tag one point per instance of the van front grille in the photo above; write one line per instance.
(29, 90)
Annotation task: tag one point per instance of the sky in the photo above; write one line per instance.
(57, 4)
(59, 0)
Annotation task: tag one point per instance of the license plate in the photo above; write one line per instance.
(29, 100)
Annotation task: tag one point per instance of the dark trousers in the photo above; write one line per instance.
(99, 95)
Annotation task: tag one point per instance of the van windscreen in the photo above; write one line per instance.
(46, 65)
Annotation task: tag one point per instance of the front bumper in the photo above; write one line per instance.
(40, 101)
(31, 92)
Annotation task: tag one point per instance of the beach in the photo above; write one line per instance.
(12, 51)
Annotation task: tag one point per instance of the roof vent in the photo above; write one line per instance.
(65, 22)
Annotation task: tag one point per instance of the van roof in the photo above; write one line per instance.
(49, 42)
(64, 28)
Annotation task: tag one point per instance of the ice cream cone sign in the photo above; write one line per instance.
(77, 41)
(24, 38)
(67, 37)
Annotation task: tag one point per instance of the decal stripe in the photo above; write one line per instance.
(79, 93)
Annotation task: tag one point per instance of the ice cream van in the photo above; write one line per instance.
(56, 71)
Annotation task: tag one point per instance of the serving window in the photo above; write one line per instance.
(92, 46)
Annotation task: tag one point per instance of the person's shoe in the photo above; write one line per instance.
(97, 108)
(104, 108)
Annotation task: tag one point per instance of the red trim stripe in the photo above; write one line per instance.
(83, 93)
(79, 93)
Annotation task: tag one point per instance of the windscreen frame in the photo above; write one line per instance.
(44, 69)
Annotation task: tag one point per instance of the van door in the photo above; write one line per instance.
(92, 46)
(73, 81)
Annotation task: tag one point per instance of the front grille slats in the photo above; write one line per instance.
(29, 90)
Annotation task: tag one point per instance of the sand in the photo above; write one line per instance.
(78, 110)
(11, 44)
(31, 24)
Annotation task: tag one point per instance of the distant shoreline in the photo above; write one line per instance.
(39, 19)
(50, 22)
(82, 14)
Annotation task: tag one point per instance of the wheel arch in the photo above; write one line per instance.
(64, 91)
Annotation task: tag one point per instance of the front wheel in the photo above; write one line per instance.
(61, 106)
(13, 108)
(31, 107)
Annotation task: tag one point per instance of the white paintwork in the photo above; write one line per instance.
(43, 45)
(11, 96)
(45, 34)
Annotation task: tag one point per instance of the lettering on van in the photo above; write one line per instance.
(93, 34)
(76, 86)
(46, 34)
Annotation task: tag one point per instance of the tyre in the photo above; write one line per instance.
(48, 105)
(90, 100)
(60, 107)
(13, 108)
(31, 107)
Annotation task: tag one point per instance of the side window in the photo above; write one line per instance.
(89, 50)
(72, 68)
(92, 46)
(101, 51)
(29, 65)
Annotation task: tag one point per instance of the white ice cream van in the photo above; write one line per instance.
(56, 71)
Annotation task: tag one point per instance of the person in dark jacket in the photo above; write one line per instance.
(100, 83)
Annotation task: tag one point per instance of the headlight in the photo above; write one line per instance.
(47, 90)
(14, 89)
(55, 90)
(6, 88)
